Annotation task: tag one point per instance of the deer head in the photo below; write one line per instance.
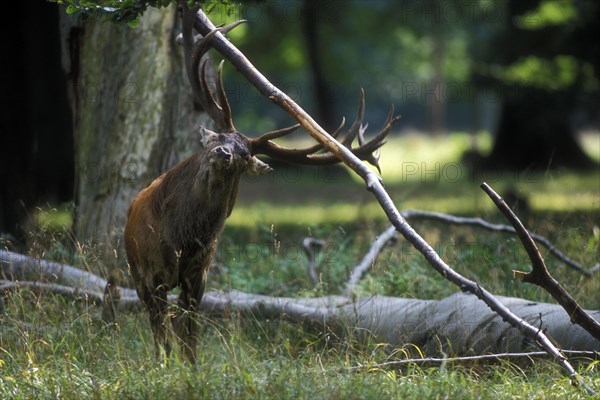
(214, 101)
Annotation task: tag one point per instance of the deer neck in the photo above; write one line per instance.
(197, 214)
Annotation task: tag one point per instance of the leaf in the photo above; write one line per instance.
(134, 22)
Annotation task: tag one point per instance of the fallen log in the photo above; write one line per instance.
(458, 325)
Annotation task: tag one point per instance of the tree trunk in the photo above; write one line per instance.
(534, 133)
(323, 95)
(535, 128)
(133, 114)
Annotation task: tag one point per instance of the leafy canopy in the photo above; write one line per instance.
(548, 13)
(128, 11)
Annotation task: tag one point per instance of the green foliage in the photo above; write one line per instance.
(548, 47)
(559, 73)
(129, 11)
(548, 13)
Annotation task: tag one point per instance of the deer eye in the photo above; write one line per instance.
(222, 152)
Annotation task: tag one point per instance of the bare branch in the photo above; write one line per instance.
(429, 362)
(390, 234)
(539, 274)
(68, 292)
(359, 271)
(374, 185)
(110, 300)
(452, 219)
(195, 49)
(309, 244)
(456, 325)
(15, 266)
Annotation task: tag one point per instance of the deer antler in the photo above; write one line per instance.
(214, 101)
(196, 66)
(367, 150)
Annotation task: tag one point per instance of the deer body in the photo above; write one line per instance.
(173, 224)
(172, 231)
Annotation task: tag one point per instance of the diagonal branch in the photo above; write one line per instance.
(375, 186)
(539, 274)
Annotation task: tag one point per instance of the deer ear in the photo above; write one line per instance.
(257, 167)
(207, 136)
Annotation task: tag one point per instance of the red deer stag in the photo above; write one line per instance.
(174, 223)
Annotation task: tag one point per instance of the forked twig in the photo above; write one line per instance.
(539, 274)
(375, 186)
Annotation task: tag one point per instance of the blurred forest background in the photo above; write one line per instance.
(517, 81)
(506, 92)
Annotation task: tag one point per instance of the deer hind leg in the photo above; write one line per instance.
(155, 301)
(186, 316)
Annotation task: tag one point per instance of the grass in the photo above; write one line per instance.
(52, 348)
(74, 357)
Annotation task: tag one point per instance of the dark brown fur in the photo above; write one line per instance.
(172, 230)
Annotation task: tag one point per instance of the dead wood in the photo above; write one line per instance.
(481, 223)
(539, 274)
(472, 361)
(360, 270)
(20, 267)
(457, 325)
(390, 235)
(308, 244)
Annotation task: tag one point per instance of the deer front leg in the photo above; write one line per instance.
(185, 322)
(155, 301)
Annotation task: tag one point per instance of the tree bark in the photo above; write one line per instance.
(134, 116)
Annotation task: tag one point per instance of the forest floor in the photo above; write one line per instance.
(52, 348)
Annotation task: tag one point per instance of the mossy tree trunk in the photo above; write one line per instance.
(133, 113)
